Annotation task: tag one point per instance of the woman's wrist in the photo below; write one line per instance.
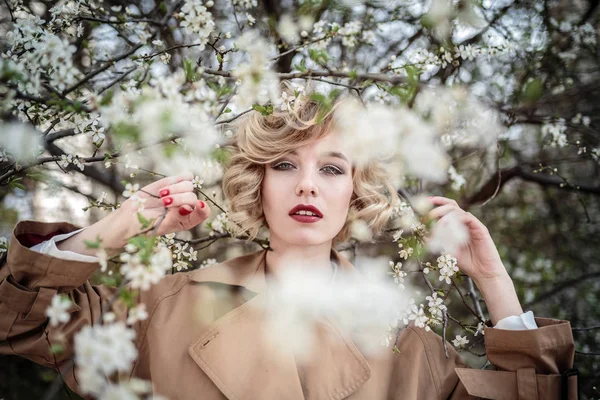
(110, 230)
(500, 297)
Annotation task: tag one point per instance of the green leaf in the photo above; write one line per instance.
(93, 245)
(190, 70)
(226, 110)
(57, 348)
(14, 183)
(109, 280)
(163, 7)
(107, 98)
(264, 110)
(219, 58)
(533, 89)
(302, 66)
(145, 223)
(318, 56)
(127, 298)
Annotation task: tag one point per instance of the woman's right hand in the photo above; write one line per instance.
(175, 193)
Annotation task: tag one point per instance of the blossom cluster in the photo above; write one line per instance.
(258, 83)
(141, 273)
(38, 53)
(183, 253)
(197, 21)
(3, 245)
(424, 58)
(556, 131)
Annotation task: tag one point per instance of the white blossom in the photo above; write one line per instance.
(460, 341)
(447, 267)
(458, 181)
(207, 262)
(259, 83)
(105, 348)
(19, 140)
(557, 132)
(130, 189)
(398, 274)
(448, 234)
(219, 224)
(137, 313)
(57, 311)
(436, 306)
(197, 182)
(197, 21)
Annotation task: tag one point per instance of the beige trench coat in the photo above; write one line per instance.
(203, 339)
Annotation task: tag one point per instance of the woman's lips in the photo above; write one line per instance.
(306, 219)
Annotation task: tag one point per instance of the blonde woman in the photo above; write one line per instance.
(288, 174)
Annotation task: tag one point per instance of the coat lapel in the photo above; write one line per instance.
(243, 363)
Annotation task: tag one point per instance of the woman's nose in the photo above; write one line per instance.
(306, 185)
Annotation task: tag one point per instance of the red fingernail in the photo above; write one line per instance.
(167, 200)
(164, 192)
(201, 204)
(184, 211)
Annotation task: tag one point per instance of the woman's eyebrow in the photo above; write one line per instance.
(336, 154)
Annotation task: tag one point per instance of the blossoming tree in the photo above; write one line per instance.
(491, 103)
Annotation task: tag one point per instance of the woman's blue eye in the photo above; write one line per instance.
(282, 166)
(330, 169)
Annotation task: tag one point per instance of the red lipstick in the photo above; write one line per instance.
(309, 213)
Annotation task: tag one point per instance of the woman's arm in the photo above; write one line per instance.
(479, 259)
(30, 280)
(170, 203)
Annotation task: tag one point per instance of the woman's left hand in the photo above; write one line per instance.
(478, 258)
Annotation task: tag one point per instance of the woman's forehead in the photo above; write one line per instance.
(330, 145)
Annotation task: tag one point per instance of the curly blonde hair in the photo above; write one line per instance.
(259, 140)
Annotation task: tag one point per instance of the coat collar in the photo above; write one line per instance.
(235, 354)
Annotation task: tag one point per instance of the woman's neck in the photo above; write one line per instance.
(316, 258)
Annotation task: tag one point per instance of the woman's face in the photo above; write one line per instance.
(316, 175)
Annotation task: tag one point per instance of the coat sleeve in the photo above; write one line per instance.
(28, 282)
(529, 364)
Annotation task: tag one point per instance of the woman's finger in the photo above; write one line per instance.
(174, 200)
(181, 187)
(199, 214)
(440, 211)
(175, 221)
(441, 200)
(156, 186)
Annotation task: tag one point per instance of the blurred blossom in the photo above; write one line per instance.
(369, 132)
(288, 29)
(458, 117)
(259, 83)
(157, 113)
(20, 140)
(58, 310)
(142, 276)
(448, 234)
(360, 231)
(556, 132)
(105, 348)
(458, 181)
(301, 298)
(137, 313)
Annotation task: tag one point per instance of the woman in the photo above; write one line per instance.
(202, 338)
